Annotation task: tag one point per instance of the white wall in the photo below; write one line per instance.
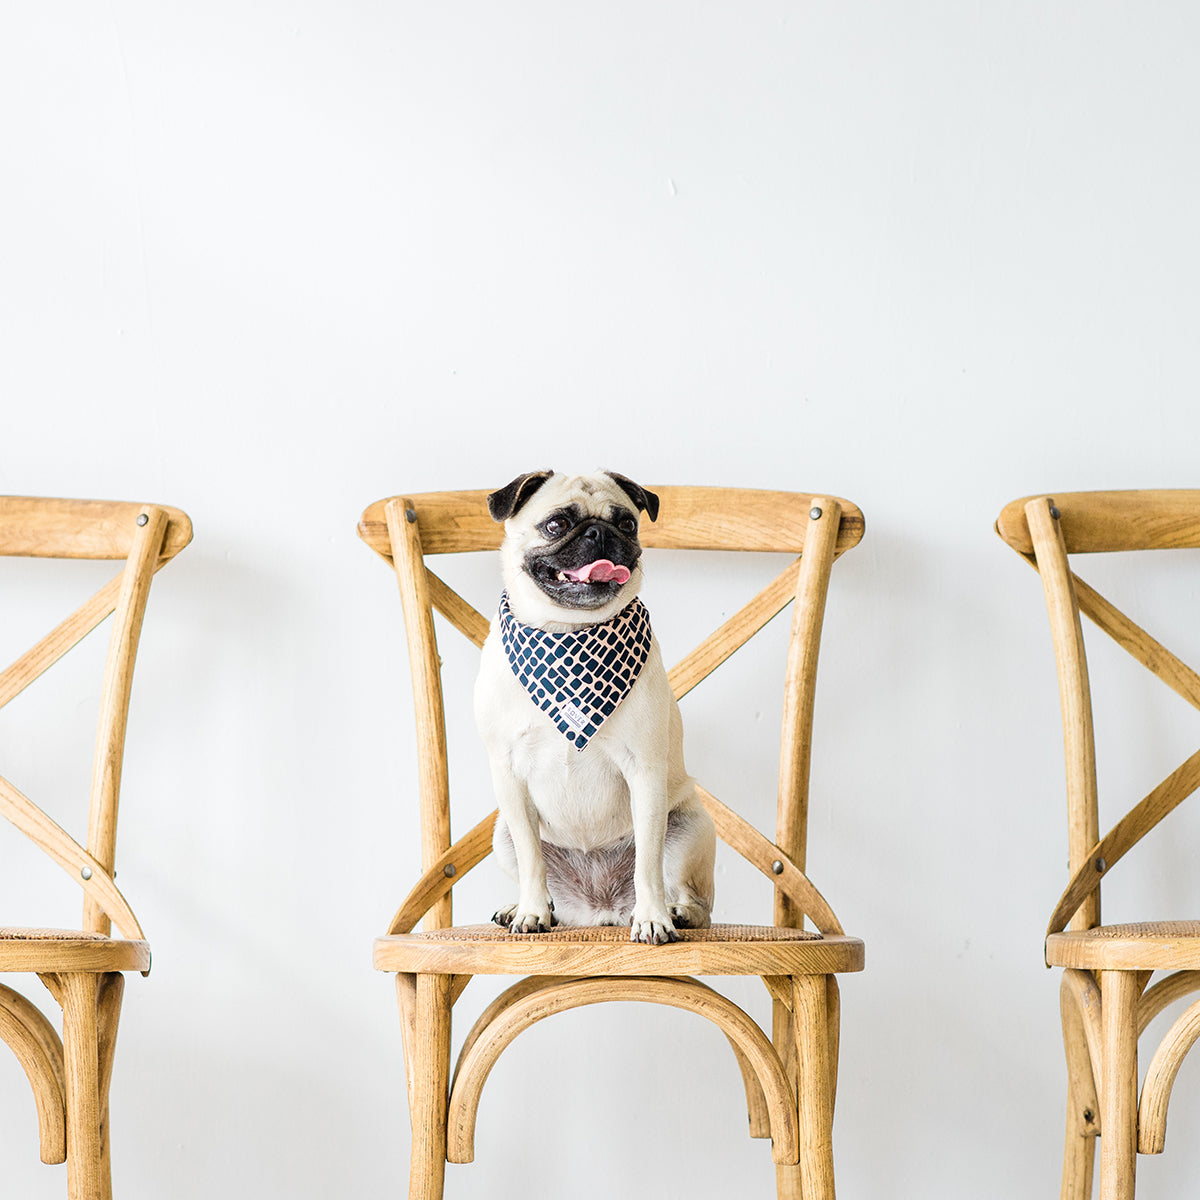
(269, 262)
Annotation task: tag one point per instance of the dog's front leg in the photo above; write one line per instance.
(648, 797)
(534, 911)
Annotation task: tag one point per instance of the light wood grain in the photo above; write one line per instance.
(87, 871)
(1124, 835)
(471, 623)
(789, 880)
(691, 518)
(475, 1065)
(430, 1087)
(81, 1062)
(1118, 1094)
(450, 867)
(110, 992)
(811, 1020)
(38, 1048)
(1095, 522)
(1135, 950)
(425, 666)
(799, 692)
(756, 1105)
(1074, 695)
(698, 664)
(1163, 994)
(114, 701)
(66, 635)
(406, 1001)
(1132, 638)
(1083, 1045)
(29, 953)
(1160, 1079)
(41, 527)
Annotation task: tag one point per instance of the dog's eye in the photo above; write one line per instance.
(628, 525)
(555, 527)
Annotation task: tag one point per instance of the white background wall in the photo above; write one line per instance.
(269, 262)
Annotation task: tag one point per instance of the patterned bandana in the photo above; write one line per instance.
(577, 679)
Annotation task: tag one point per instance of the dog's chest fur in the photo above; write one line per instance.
(582, 797)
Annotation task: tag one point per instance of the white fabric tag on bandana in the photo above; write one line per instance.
(577, 679)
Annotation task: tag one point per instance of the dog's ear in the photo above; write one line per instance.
(645, 500)
(509, 500)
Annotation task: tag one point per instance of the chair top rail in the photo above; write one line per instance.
(692, 518)
(42, 527)
(1097, 522)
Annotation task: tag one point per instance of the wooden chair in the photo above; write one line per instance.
(789, 1079)
(1106, 1004)
(81, 968)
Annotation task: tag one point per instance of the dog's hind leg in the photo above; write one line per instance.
(688, 858)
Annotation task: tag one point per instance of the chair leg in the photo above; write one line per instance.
(429, 1087)
(810, 1014)
(86, 1161)
(1083, 1103)
(108, 1014)
(1079, 1153)
(1119, 992)
(787, 1178)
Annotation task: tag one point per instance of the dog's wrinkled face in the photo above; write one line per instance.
(571, 550)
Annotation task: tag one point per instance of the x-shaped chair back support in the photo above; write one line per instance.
(1045, 530)
(145, 537)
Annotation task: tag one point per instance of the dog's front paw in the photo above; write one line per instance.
(655, 929)
(535, 919)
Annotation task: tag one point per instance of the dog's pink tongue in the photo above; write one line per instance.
(601, 571)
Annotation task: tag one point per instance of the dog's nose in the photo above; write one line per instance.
(593, 533)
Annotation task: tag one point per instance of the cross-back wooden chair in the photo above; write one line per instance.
(1106, 1004)
(81, 968)
(790, 1078)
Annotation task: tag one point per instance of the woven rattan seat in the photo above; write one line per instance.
(615, 934)
(1143, 929)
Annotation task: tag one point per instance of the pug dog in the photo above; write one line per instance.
(600, 823)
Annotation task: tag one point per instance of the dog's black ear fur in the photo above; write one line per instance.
(509, 500)
(645, 500)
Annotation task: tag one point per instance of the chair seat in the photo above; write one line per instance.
(1144, 946)
(29, 949)
(607, 950)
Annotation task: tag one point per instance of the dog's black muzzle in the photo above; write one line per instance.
(589, 541)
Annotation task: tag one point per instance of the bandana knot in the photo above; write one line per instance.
(577, 679)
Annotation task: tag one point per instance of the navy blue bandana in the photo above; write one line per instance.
(577, 679)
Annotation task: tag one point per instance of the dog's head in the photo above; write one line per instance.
(571, 553)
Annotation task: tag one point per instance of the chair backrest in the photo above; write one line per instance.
(1045, 530)
(146, 537)
(406, 529)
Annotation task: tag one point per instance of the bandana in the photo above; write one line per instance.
(577, 679)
